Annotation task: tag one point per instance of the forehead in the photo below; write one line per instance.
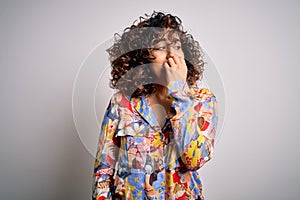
(169, 36)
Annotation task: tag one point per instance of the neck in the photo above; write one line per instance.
(161, 92)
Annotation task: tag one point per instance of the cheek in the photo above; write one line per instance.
(180, 53)
(159, 58)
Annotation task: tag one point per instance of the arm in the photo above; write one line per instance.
(106, 155)
(194, 124)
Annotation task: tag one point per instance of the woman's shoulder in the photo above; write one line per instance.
(117, 96)
(121, 99)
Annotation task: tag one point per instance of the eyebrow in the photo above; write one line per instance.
(164, 40)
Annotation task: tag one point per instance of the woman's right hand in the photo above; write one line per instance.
(174, 69)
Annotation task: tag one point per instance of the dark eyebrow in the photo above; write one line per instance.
(175, 40)
(160, 40)
(164, 40)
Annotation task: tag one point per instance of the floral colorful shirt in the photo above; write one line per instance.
(138, 159)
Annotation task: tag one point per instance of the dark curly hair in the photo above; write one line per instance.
(133, 48)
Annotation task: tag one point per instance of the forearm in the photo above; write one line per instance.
(193, 139)
(107, 154)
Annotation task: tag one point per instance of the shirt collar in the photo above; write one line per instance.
(142, 106)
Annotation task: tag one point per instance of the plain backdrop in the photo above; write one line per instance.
(254, 45)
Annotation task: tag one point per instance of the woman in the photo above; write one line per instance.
(159, 128)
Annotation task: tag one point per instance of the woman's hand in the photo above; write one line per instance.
(174, 69)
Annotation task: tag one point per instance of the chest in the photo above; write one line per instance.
(161, 107)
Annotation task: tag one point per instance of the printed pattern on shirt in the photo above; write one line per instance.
(137, 159)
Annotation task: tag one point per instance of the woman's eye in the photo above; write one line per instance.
(161, 48)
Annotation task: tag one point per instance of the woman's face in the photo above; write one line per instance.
(167, 47)
(169, 63)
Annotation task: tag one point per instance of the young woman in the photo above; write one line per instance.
(159, 127)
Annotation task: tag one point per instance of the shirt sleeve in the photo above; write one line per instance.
(106, 155)
(194, 125)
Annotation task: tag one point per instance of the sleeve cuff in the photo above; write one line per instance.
(181, 95)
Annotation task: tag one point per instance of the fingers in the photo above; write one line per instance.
(177, 60)
(172, 62)
(166, 65)
(177, 63)
(175, 68)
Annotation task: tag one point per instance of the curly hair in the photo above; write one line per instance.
(133, 48)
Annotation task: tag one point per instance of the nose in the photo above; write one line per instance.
(170, 53)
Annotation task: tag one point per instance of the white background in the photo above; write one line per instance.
(253, 44)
